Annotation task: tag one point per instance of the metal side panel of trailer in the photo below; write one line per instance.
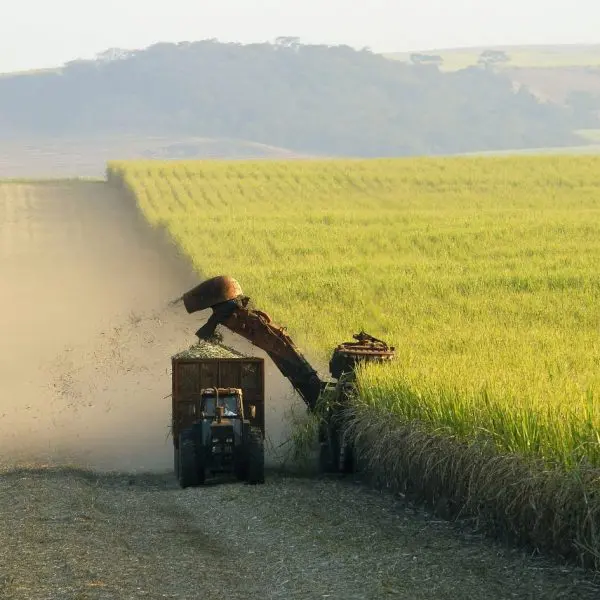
(191, 375)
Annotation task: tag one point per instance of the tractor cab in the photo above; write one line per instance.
(217, 403)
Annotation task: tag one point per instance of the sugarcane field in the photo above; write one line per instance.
(96, 321)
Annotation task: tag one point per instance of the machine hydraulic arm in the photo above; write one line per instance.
(230, 309)
(256, 326)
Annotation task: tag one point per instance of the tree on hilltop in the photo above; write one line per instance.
(489, 59)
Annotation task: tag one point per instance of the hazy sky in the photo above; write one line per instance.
(42, 33)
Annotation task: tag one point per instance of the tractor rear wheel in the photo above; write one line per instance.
(240, 462)
(347, 459)
(200, 464)
(256, 456)
(329, 450)
(188, 468)
(176, 461)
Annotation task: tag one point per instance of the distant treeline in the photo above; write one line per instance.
(308, 98)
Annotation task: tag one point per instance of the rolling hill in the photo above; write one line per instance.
(309, 99)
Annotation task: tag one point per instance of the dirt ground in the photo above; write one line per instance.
(76, 535)
(87, 332)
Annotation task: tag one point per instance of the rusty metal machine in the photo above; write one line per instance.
(230, 309)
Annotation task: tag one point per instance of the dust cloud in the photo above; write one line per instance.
(88, 328)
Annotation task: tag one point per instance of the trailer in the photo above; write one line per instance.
(203, 436)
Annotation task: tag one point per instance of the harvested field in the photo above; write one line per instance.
(86, 156)
(83, 281)
(72, 534)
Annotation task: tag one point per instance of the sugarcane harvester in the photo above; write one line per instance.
(230, 308)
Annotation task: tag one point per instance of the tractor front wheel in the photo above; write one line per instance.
(188, 465)
(240, 463)
(329, 450)
(347, 456)
(256, 456)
